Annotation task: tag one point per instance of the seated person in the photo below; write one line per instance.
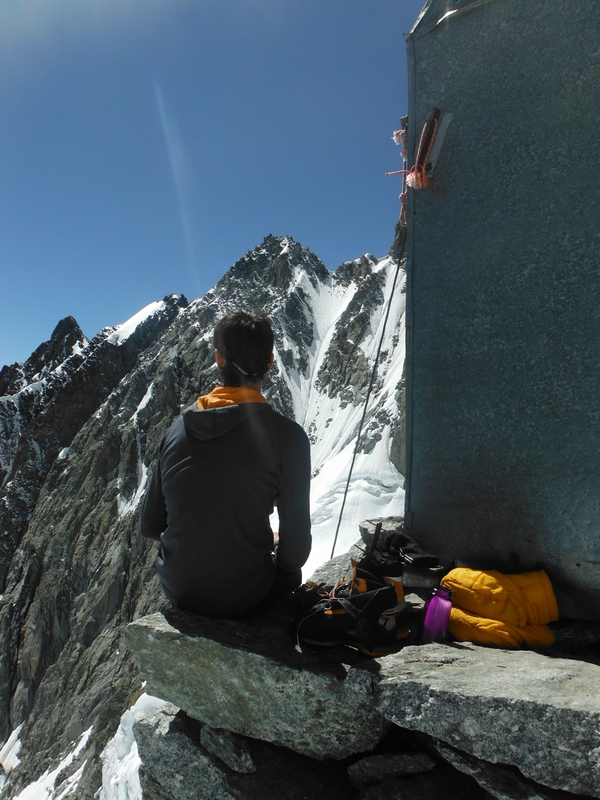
(221, 467)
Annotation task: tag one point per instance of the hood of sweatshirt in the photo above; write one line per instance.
(229, 396)
(211, 423)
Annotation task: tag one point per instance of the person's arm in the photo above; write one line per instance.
(293, 503)
(154, 513)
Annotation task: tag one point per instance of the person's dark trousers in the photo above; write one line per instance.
(284, 582)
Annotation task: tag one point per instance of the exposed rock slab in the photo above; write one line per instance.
(389, 525)
(247, 677)
(174, 762)
(500, 781)
(539, 714)
(338, 568)
(175, 766)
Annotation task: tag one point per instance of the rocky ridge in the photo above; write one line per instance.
(80, 424)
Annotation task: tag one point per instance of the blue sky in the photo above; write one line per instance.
(146, 146)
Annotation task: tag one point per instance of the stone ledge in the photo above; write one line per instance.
(519, 708)
(248, 677)
(539, 714)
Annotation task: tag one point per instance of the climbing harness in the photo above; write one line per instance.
(371, 382)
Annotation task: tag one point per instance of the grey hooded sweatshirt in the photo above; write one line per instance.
(218, 475)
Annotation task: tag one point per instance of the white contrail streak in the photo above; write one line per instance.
(181, 175)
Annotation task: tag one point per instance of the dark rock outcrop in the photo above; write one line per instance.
(228, 747)
(62, 386)
(375, 769)
(176, 766)
(346, 371)
(500, 781)
(67, 338)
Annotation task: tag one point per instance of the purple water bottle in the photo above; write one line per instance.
(437, 614)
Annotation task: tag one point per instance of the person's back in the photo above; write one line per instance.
(221, 467)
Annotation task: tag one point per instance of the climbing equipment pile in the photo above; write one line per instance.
(368, 611)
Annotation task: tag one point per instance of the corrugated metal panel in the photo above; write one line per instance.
(503, 375)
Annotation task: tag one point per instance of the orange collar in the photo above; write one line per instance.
(229, 396)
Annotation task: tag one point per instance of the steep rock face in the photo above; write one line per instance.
(345, 370)
(45, 415)
(76, 569)
(53, 398)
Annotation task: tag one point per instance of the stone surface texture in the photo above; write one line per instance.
(228, 747)
(375, 769)
(339, 567)
(248, 677)
(389, 525)
(539, 714)
(501, 782)
(176, 766)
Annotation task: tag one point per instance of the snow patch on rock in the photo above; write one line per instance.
(9, 754)
(122, 332)
(44, 788)
(120, 758)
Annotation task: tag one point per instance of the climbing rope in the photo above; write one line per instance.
(373, 374)
(416, 178)
(400, 138)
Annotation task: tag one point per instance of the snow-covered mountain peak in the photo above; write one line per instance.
(67, 338)
(272, 264)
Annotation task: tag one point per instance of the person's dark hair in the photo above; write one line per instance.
(245, 341)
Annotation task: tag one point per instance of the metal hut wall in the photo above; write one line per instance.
(503, 259)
